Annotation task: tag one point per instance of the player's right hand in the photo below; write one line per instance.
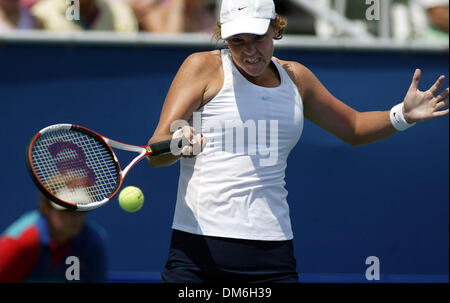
(192, 143)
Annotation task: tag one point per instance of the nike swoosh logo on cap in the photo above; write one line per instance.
(241, 8)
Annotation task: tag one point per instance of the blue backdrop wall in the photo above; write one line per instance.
(389, 199)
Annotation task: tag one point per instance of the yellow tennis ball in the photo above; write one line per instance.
(131, 199)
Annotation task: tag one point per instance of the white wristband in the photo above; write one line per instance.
(398, 120)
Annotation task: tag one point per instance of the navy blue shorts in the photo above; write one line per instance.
(199, 259)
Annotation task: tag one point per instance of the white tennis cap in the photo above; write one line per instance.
(246, 16)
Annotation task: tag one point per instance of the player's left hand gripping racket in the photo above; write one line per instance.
(76, 167)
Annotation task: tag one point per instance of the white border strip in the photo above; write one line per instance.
(205, 40)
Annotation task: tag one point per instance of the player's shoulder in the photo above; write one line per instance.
(206, 62)
(295, 70)
(21, 225)
(21, 238)
(209, 56)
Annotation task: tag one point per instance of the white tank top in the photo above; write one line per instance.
(235, 188)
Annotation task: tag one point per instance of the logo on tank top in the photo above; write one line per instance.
(252, 138)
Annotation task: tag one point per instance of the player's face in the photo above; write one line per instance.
(252, 53)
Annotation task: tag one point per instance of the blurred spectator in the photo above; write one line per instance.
(353, 10)
(437, 11)
(434, 23)
(175, 16)
(13, 16)
(101, 15)
(300, 21)
(35, 247)
(420, 19)
(409, 19)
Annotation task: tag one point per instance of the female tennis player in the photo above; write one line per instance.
(232, 219)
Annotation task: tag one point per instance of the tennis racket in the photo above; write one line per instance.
(76, 167)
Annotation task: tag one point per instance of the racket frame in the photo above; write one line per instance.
(109, 144)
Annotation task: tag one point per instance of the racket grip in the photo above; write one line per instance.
(163, 147)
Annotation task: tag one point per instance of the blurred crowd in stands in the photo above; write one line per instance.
(410, 19)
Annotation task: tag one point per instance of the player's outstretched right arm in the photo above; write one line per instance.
(189, 91)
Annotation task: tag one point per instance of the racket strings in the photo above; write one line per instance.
(74, 167)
